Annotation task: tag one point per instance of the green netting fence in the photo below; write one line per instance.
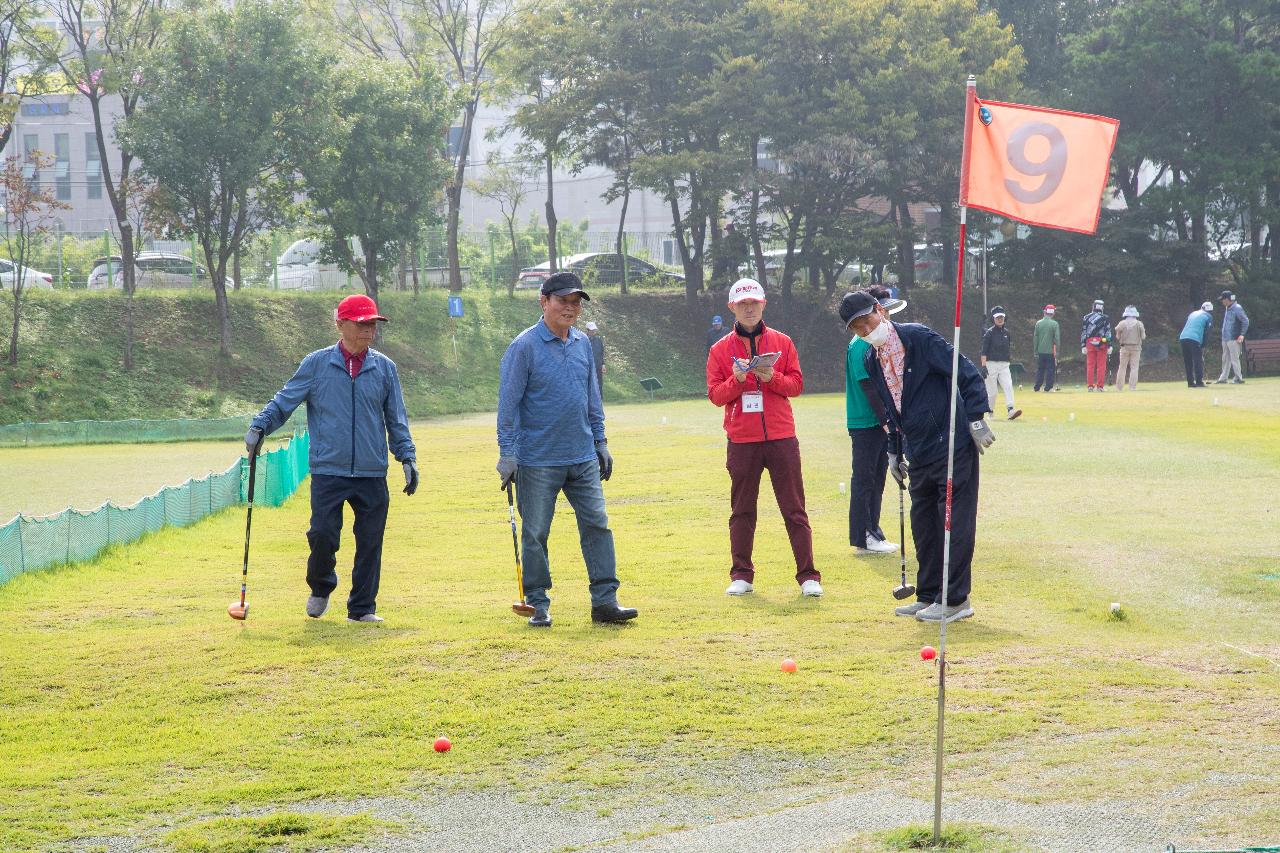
(123, 432)
(29, 543)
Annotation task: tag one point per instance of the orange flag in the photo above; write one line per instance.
(1037, 165)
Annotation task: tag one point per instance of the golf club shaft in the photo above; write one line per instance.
(902, 529)
(515, 544)
(248, 518)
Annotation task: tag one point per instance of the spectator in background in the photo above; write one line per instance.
(1095, 346)
(717, 331)
(864, 417)
(1130, 333)
(995, 362)
(1192, 340)
(1234, 325)
(597, 353)
(1048, 337)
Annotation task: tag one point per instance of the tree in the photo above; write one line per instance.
(507, 184)
(99, 50)
(371, 160)
(28, 213)
(22, 71)
(462, 36)
(226, 93)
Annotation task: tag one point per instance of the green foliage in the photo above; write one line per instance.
(371, 160)
(961, 838)
(283, 831)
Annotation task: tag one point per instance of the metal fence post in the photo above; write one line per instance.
(422, 262)
(106, 251)
(275, 261)
(625, 281)
(61, 282)
(493, 264)
(193, 259)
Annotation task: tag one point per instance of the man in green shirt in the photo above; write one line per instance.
(870, 457)
(1047, 339)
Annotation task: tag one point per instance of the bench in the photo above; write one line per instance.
(1260, 355)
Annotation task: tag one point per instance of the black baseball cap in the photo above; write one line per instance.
(855, 305)
(1227, 294)
(563, 283)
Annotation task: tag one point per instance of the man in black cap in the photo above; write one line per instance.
(995, 362)
(1234, 324)
(551, 440)
(910, 370)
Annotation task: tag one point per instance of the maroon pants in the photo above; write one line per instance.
(745, 464)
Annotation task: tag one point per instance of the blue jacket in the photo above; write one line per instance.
(926, 394)
(349, 419)
(1198, 322)
(1235, 322)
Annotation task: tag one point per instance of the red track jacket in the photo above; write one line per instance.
(723, 389)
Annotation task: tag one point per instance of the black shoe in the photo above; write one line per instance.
(1237, 381)
(541, 618)
(613, 613)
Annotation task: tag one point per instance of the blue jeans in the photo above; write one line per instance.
(536, 491)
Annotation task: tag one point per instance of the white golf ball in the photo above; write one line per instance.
(1115, 607)
(664, 419)
(1071, 416)
(842, 488)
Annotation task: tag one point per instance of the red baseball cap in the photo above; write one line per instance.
(359, 308)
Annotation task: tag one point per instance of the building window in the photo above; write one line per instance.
(62, 166)
(92, 167)
(453, 144)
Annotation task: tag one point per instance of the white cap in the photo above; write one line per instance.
(744, 289)
(1130, 311)
(1208, 306)
(591, 326)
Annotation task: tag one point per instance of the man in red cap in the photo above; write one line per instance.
(354, 404)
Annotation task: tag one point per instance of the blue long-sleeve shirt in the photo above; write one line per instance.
(349, 417)
(549, 407)
(1197, 326)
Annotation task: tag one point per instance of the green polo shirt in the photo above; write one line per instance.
(858, 412)
(1047, 336)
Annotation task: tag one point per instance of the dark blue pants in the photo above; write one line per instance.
(1046, 368)
(369, 500)
(866, 485)
(928, 519)
(1193, 361)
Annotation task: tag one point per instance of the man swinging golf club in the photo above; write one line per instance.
(551, 440)
(910, 369)
(354, 403)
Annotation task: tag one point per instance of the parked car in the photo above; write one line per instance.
(154, 270)
(299, 268)
(598, 268)
(30, 278)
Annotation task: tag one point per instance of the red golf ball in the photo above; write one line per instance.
(928, 653)
(442, 744)
(788, 665)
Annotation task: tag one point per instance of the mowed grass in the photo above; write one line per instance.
(131, 704)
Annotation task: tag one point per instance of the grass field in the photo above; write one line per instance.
(134, 714)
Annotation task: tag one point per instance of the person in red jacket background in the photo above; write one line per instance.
(761, 432)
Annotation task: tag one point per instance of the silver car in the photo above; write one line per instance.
(158, 270)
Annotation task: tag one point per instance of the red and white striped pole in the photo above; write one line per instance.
(970, 102)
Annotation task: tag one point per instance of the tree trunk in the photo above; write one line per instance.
(757, 248)
(403, 272)
(127, 255)
(515, 257)
(453, 193)
(237, 281)
(622, 225)
(417, 255)
(224, 313)
(371, 285)
(906, 248)
(552, 223)
(17, 316)
(691, 281)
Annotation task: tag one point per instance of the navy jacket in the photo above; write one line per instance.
(349, 419)
(926, 394)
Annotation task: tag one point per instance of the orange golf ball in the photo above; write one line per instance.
(442, 744)
(928, 653)
(788, 665)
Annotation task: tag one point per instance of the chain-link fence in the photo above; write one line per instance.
(125, 432)
(28, 543)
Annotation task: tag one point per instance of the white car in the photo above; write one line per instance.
(299, 268)
(164, 270)
(30, 278)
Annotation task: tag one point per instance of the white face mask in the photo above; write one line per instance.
(879, 336)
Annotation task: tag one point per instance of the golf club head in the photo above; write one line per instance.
(237, 611)
(522, 608)
(904, 591)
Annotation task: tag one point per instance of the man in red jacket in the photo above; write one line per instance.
(752, 373)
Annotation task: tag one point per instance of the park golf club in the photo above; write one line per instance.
(521, 606)
(903, 590)
(239, 610)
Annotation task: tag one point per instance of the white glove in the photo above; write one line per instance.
(898, 468)
(981, 434)
(1084, 351)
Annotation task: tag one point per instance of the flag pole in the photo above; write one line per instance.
(970, 97)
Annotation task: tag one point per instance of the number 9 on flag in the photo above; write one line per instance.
(1038, 165)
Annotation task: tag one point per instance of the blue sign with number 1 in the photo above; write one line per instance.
(455, 306)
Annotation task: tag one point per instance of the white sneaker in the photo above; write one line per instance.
(811, 588)
(739, 587)
(368, 617)
(933, 613)
(880, 546)
(911, 609)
